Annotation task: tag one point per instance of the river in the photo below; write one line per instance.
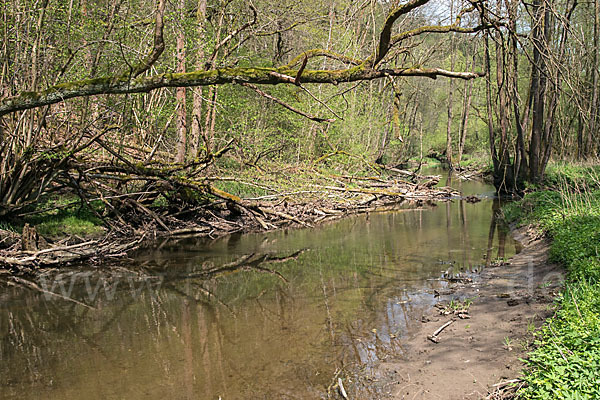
(278, 315)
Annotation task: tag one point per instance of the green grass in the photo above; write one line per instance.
(7, 226)
(476, 161)
(583, 174)
(67, 225)
(566, 359)
(71, 221)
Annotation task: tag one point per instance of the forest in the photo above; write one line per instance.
(95, 93)
(126, 121)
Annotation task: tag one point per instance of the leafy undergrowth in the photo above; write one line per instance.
(566, 358)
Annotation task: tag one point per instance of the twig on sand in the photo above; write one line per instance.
(341, 387)
(501, 384)
(434, 337)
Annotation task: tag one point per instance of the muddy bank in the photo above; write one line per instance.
(478, 352)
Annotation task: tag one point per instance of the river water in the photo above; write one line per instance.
(238, 318)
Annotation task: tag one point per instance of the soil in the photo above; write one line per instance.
(477, 356)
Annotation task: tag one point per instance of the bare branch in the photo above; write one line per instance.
(322, 53)
(233, 34)
(386, 32)
(282, 103)
(159, 43)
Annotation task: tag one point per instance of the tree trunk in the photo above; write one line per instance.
(450, 93)
(465, 114)
(181, 122)
(538, 89)
(197, 99)
(593, 135)
(520, 164)
(555, 86)
(490, 113)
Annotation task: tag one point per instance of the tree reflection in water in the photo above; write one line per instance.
(245, 316)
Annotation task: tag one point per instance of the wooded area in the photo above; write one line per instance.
(160, 126)
(128, 103)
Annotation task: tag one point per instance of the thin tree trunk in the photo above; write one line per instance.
(209, 123)
(555, 87)
(490, 114)
(34, 68)
(593, 135)
(181, 122)
(213, 119)
(450, 93)
(197, 99)
(466, 110)
(538, 89)
(520, 164)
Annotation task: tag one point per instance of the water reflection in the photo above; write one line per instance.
(247, 316)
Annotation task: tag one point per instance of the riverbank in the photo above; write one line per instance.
(62, 231)
(542, 307)
(566, 354)
(491, 325)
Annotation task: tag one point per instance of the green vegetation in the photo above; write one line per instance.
(566, 358)
(70, 220)
(65, 224)
(577, 174)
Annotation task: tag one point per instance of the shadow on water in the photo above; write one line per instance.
(275, 315)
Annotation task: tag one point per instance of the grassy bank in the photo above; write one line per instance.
(565, 361)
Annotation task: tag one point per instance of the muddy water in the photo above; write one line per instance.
(263, 316)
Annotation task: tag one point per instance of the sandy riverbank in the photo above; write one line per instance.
(479, 354)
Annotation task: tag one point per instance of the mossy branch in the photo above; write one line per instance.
(322, 53)
(266, 76)
(386, 32)
(159, 43)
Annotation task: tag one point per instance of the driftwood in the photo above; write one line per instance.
(434, 336)
(342, 390)
(62, 255)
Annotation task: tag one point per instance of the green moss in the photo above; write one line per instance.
(67, 86)
(29, 95)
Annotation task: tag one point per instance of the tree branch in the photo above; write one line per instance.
(386, 32)
(233, 34)
(322, 53)
(159, 43)
(285, 105)
(267, 76)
